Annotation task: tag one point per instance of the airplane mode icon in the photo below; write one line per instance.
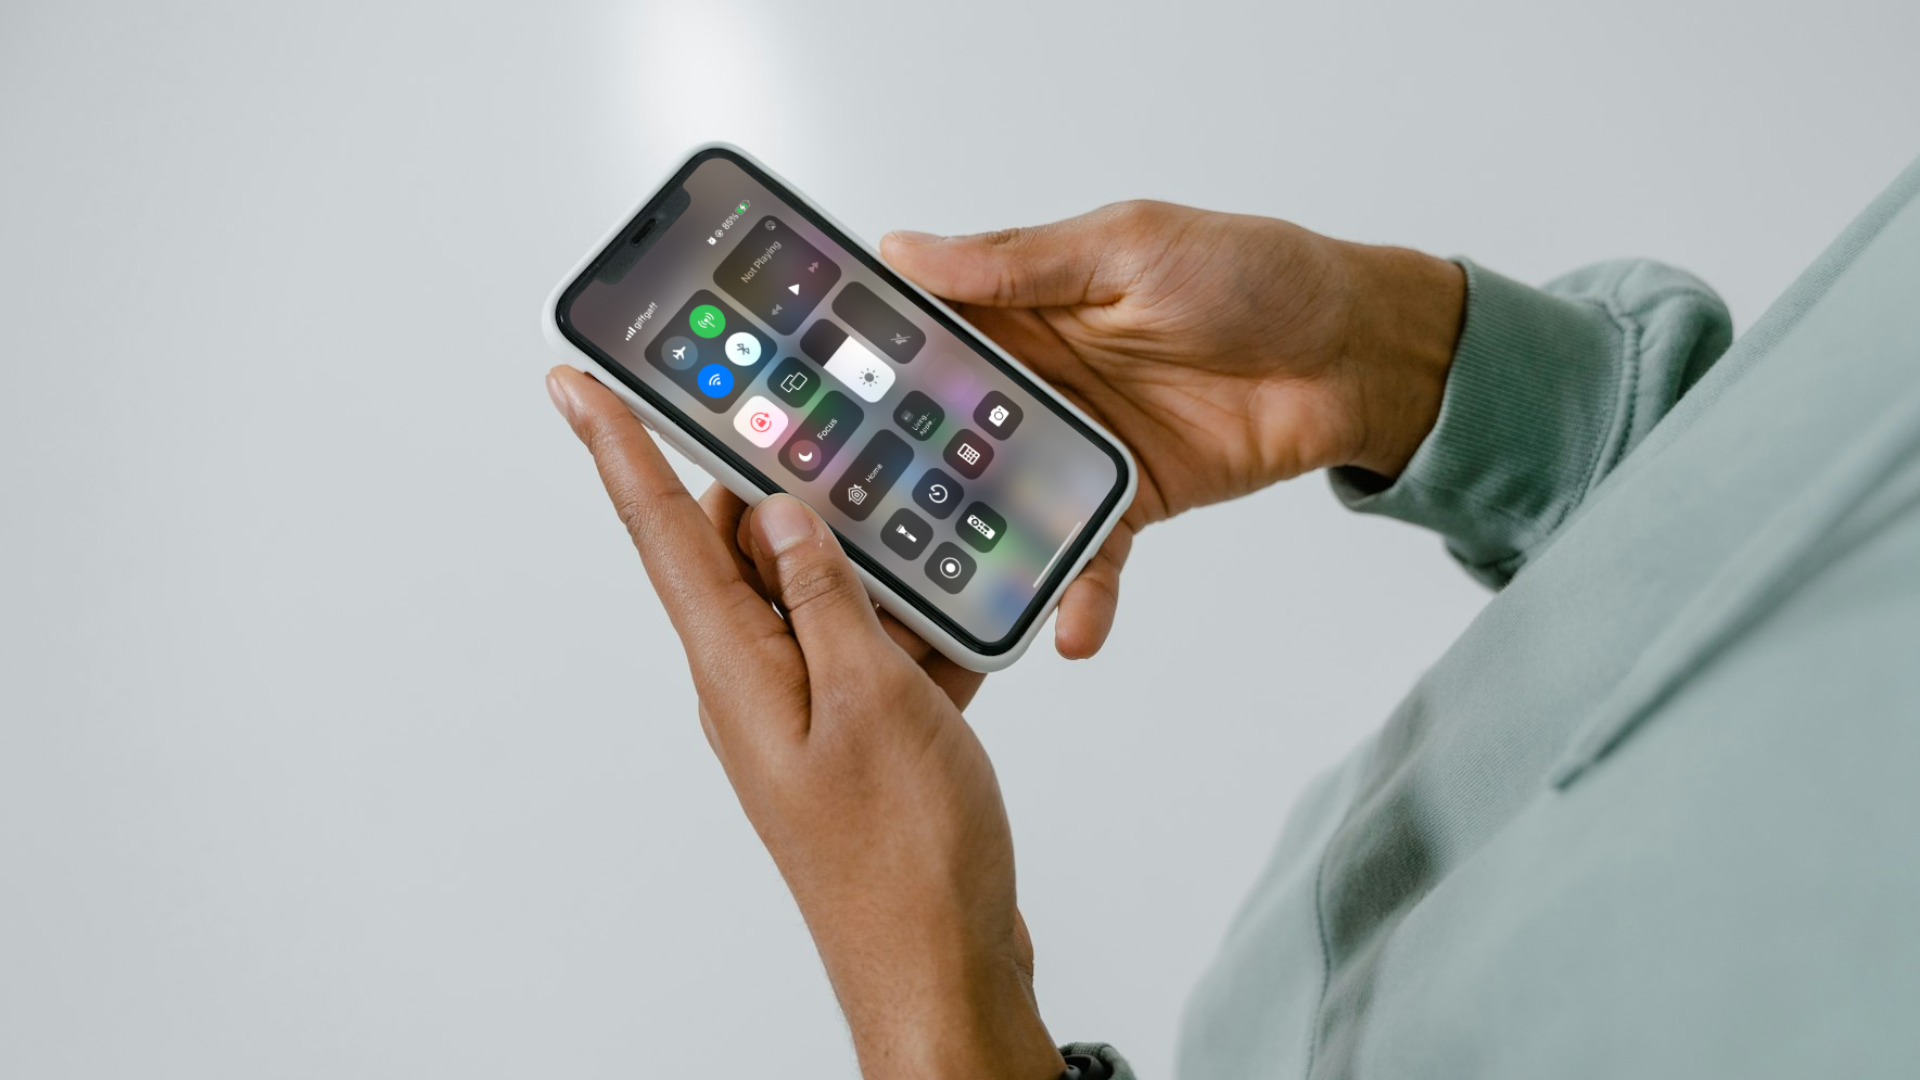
(680, 353)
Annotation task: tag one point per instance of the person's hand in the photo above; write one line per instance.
(1228, 352)
(841, 733)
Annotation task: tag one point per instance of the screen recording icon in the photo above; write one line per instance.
(950, 568)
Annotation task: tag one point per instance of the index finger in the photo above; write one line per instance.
(712, 608)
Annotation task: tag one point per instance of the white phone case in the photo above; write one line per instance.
(669, 430)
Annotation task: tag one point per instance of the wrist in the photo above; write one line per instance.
(1403, 325)
(935, 1022)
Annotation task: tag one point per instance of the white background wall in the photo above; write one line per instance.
(339, 732)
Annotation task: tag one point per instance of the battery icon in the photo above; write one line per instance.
(742, 208)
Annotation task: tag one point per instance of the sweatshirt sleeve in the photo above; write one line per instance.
(1549, 390)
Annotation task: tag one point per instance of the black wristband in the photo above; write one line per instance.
(1086, 1067)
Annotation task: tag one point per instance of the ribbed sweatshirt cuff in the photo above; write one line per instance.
(1533, 393)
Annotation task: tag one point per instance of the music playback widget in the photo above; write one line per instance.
(710, 350)
(777, 274)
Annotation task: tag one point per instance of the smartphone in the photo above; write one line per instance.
(759, 337)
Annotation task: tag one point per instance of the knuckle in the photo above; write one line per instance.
(710, 730)
(1142, 214)
(1008, 286)
(854, 716)
(814, 581)
(601, 438)
(639, 515)
(1107, 584)
(843, 749)
(1009, 279)
(1004, 237)
(843, 699)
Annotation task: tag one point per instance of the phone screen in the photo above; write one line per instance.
(805, 362)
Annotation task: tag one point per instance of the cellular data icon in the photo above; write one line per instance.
(707, 320)
(710, 350)
(777, 274)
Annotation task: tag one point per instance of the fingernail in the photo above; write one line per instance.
(781, 521)
(908, 236)
(561, 399)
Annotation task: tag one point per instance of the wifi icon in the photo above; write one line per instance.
(715, 381)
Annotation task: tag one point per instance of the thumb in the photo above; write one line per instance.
(1090, 259)
(814, 583)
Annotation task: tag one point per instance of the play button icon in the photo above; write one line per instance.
(794, 289)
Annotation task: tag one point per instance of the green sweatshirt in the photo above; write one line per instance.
(1655, 814)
